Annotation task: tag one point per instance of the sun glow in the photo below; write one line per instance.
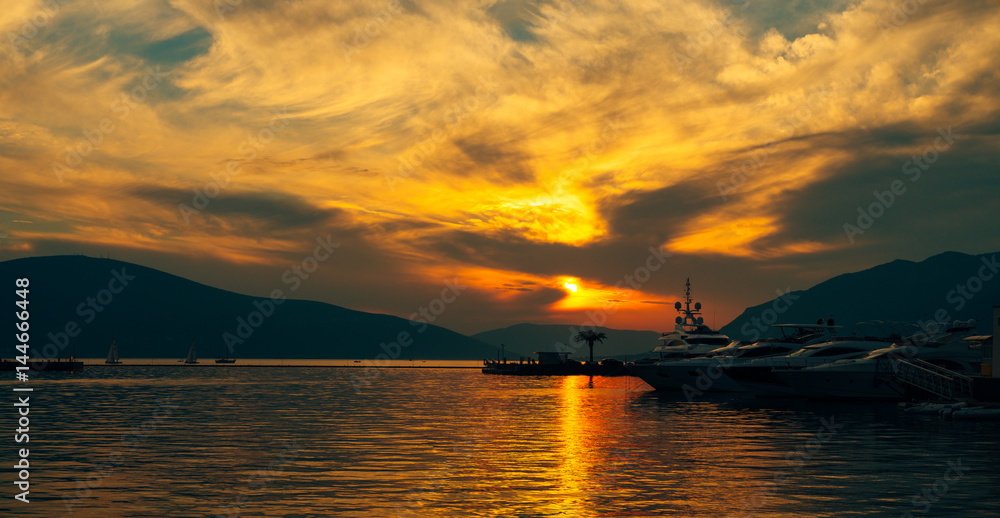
(570, 285)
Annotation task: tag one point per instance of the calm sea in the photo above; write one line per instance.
(294, 442)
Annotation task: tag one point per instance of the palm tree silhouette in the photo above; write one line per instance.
(590, 337)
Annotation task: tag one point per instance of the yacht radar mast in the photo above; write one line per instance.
(690, 318)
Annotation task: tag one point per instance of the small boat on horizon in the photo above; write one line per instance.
(223, 357)
(113, 354)
(192, 357)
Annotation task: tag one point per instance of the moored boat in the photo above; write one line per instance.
(758, 376)
(705, 374)
(870, 377)
(691, 338)
(761, 376)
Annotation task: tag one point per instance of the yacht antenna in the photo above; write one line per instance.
(690, 317)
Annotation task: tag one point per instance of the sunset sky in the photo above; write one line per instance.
(519, 148)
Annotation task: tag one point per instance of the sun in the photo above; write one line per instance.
(570, 286)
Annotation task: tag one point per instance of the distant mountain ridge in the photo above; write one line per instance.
(556, 337)
(82, 303)
(946, 287)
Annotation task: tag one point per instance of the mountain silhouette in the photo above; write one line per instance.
(78, 304)
(947, 287)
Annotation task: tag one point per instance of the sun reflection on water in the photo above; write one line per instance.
(574, 465)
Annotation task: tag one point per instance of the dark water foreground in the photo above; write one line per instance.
(159, 441)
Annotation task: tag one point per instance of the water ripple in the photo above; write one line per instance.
(167, 441)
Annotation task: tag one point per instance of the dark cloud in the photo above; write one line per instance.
(949, 204)
(272, 211)
(173, 50)
(504, 159)
(607, 261)
(792, 18)
(655, 215)
(517, 17)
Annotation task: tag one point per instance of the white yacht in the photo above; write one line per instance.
(704, 373)
(757, 375)
(689, 339)
(761, 376)
(870, 377)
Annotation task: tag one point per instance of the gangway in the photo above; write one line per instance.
(928, 377)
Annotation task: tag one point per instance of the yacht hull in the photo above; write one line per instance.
(648, 373)
(854, 385)
(703, 376)
(861, 380)
(760, 380)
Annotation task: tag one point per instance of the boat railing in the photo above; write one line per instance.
(927, 376)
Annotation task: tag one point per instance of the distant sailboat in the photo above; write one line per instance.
(192, 357)
(113, 354)
(223, 357)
